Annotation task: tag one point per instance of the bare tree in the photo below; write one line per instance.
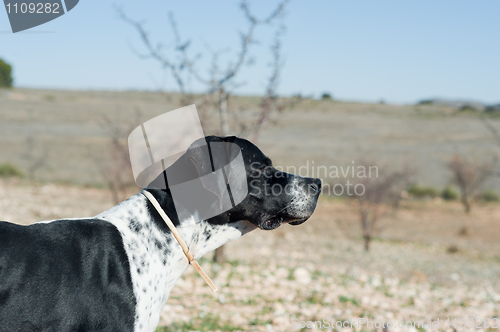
(115, 166)
(468, 175)
(36, 157)
(221, 81)
(494, 131)
(380, 192)
(496, 136)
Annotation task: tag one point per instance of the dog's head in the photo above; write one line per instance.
(271, 197)
(274, 197)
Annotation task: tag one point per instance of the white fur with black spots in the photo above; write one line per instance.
(156, 259)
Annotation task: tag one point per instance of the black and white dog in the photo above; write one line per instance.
(114, 272)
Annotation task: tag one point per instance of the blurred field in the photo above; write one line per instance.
(68, 126)
(419, 268)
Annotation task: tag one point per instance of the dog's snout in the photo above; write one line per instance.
(315, 186)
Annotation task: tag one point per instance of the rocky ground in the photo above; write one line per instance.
(280, 280)
(275, 280)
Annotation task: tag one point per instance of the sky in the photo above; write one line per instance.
(391, 50)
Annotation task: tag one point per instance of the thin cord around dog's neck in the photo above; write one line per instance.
(179, 239)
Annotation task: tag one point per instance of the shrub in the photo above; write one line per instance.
(421, 191)
(8, 170)
(490, 196)
(467, 108)
(492, 109)
(449, 194)
(326, 96)
(426, 102)
(345, 299)
(5, 75)
(468, 174)
(452, 249)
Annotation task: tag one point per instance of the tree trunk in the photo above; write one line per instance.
(465, 230)
(466, 203)
(223, 112)
(367, 242)
(219, 256)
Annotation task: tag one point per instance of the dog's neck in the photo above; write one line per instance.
(156, 259)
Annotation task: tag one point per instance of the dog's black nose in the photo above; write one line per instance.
(315, 186)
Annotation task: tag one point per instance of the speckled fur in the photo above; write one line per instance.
(301, 201)
(156, 259)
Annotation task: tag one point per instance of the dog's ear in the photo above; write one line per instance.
(200, 160)
(195, 163)
(207, 178)
(214, 169)
(227, 157)
(195, 184)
